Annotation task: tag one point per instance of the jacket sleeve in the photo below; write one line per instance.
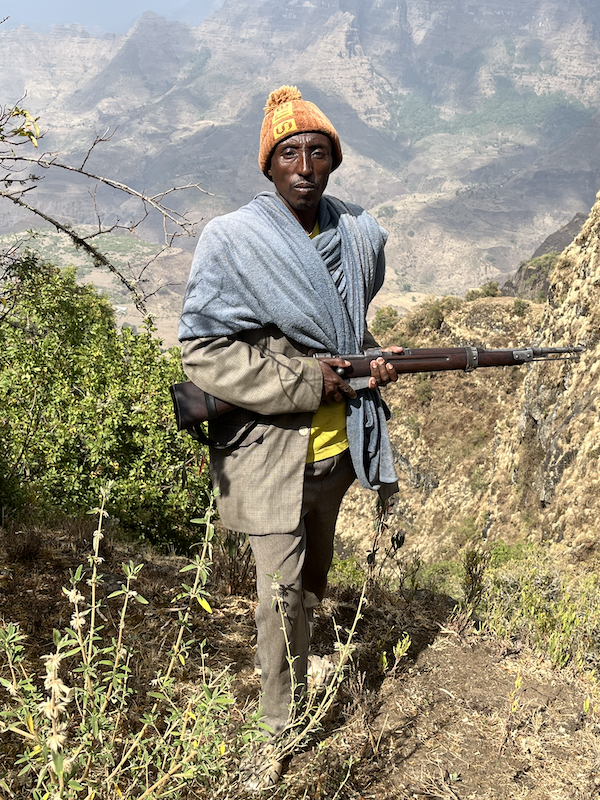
(263, 379)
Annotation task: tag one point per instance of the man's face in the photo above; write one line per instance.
(300, 168)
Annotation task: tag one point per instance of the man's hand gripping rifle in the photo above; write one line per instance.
(193, 406)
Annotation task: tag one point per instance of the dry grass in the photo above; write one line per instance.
(467, 715)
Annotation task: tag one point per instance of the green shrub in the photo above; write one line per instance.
(502, 553)
(520, 307)
(347, 572)
(488, 289)
(431, 314)
(384, 320)
(82, 404)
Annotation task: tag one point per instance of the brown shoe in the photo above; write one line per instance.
(261, 769)
(320, 673)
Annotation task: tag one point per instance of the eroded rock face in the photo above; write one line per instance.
(564, 399)
(513, 452)
(532, 278)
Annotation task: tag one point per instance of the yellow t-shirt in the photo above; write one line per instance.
(328, 428)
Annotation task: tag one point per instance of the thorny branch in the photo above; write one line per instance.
(18, 127)
(154, 201)
(98, 258)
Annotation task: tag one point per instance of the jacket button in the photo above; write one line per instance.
(304, 431)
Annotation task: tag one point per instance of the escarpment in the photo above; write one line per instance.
(557, 430)
(500, 454)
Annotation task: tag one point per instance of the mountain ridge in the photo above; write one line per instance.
(451, 117)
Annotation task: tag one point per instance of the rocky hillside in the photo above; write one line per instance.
(532, 278)
(554, 441)
(470, 129)
(502, 454)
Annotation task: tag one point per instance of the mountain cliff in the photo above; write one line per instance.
(501, 454)
(469, 128)
(556, 431)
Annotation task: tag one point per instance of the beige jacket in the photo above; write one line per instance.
(273, 381)
(278, 386)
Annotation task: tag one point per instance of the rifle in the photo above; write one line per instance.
(194, 406)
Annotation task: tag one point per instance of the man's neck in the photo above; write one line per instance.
(306, 217)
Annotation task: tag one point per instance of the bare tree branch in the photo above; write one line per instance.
(18, 127)
(154, 201)
(98, 258)
(100, 138)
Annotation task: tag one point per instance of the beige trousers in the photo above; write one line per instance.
(291, 576)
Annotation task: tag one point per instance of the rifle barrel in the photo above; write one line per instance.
(548, 351)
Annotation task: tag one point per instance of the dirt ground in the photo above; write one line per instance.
(465, 715)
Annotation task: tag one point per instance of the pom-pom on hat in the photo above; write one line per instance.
(287, 114)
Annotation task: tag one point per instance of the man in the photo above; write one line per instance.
(287, 276)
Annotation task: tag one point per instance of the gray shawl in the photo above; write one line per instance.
(257, 267)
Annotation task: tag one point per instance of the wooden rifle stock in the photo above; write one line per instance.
(193, 406)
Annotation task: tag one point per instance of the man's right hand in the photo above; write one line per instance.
(335, 389)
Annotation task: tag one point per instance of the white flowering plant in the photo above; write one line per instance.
(81, 731)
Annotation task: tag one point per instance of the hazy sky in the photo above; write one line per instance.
(98, 15)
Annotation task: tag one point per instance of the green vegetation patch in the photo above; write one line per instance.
(347, 572)
(519, 592)
(413, 117)
(520, 307)
(489, 289)
(541, 266)
(552, 115)
(385, 319)
(386, 211)
(431, 314)
(83, 405)
(58, 248)
(532, 599)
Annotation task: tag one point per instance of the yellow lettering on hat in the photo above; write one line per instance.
(284, 128)
(282, 111)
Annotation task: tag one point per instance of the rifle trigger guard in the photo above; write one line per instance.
(472, 358)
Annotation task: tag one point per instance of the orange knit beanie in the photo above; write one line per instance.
(287, 114)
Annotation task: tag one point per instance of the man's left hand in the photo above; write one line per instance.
(382, 372)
